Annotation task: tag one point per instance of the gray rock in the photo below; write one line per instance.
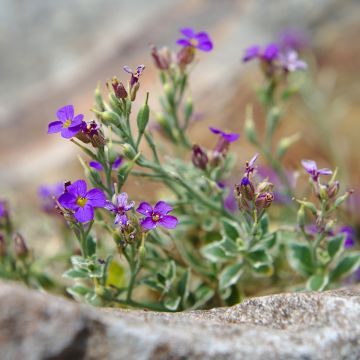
(36, 325)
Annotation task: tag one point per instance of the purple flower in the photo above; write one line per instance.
(82, 202)
(270, 53)
(228, 137)
(350, 235)
(97, 166)
(290, 62)
(311, 168)
(47, 194)
(68, 124)
(134, 75)
(120, 207)
(199, 40)
(158, 215)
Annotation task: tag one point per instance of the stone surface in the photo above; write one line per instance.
(35, 325)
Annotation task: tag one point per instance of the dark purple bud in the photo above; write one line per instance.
(247, 189)
(91, 133)
(20, 248)
(250, 165)
(161, 58)
(185, 56)
(264, 200)
(199, 157)
(119, 89)
(3, 247)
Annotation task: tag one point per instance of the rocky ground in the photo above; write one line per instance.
(299, 326)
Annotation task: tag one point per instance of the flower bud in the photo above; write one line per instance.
(119, 89)
(247, 189)
(265, 186)
(134, 91)
(264, 200)
(20, 248)
(333, 189)
(308, 205)
(301, 216)
(285, 143)
(3, 247)
(342, 198)
(161, 58)
(199, 157)
(143, 117)
(188, 110)
(185, 56)
(323, 192)
(128, 151)
(98, 99)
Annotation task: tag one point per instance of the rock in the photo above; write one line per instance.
(36, 325)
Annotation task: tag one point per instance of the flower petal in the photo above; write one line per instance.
(216, 131)
(144, 208)
(309, 165)
(162, 208)
(230, 137)
(148, 223)
(205, 45)
(65, 113)
(68, 133)
(128, 70)
(251, 53)
(96, 198)
(324, 172)
(96, 165)
(110, 206)
(169, 222)
(271, 52)
(183, 42)
(121, 219)
(116, 164)
(54, 127)
(78, 188)
(121, 199)
(84, 214)
(189, 32)
(129, 206)
(78, 119)
(68, 201)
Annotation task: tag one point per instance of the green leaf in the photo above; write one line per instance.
(335, 245)
(214, 252)
(170, 273)
(153, 284)
(263, 269)
(76, 274)
(183, 285)
(90, 245)
(264, 223)
(78, 291)
(172, 302)
(269, 241)
(202, 294)
(208, 224)
(79, 261)
(259, 257)
(301, 259)
(230, 229)
(345, 266)
(230, 275)
(317, 282)
(230, 247)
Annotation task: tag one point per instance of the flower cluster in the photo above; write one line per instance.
(251, 197)
(272, 57)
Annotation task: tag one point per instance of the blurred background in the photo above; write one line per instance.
(54, 53)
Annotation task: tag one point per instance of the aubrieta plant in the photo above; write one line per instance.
(208, 240)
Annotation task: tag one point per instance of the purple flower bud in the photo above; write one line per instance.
(199, 157)
(90, 132)
(119, 89)
(161, 58)
(264, 200)
(185, 56)
(333, 189)
(247, 189)
(20, 248)
(134, 75)
(250, 165)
